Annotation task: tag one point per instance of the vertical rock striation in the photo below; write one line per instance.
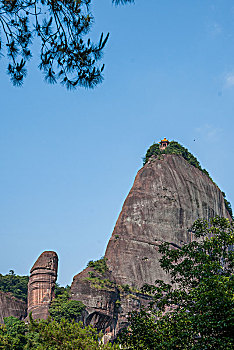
(43, 276)
(11, 306)
(167, 196)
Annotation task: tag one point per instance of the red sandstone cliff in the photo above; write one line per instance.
(11, 306)
(43, 276)
(167, 196)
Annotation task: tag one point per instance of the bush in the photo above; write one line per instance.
(99, 265)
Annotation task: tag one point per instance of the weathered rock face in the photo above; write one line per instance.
(43, 276)
(100, 301)
(107, 304)
(167, 196)
(11, 306)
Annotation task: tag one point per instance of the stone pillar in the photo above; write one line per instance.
(43, 276)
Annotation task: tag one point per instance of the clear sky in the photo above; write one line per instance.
(68, 159)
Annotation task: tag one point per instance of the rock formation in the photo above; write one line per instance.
(107, 304)
(43, 276)
(11, 306)
(167, 196)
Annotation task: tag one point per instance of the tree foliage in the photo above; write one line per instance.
(63, 308)
(173, 148)
(49, 335)
(98, 265)
(199, 313)
(67, 56)
(15, 284)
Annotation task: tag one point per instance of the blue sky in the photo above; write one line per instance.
(68, 159)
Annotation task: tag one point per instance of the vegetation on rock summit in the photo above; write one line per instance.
(176, 148)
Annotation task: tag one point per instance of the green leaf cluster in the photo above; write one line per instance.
(173, 148)
(59, 290)
(99, 265)
(100, 283)
(15, 284)
(66, 55)
(50, 335)
(228, 205)
(62, 307)
(196, 310)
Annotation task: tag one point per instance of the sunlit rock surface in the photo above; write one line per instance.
(167, 196)
(43, 276)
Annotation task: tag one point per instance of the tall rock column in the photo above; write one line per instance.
(43, 276)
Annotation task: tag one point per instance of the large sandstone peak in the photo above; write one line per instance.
(43, 276)
(167, 196)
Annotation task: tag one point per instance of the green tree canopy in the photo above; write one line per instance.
(199, 313)
(63, 308)
(173, 148)
(67, 56)
(99, 265)
(49, 335)
(15, 284)
(176, 148)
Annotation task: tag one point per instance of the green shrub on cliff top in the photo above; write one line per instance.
(173, 148)
(176, 148)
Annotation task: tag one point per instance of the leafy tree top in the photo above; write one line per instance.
(99, 265)
(63, 308)
(48, 334)
(195, 311)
